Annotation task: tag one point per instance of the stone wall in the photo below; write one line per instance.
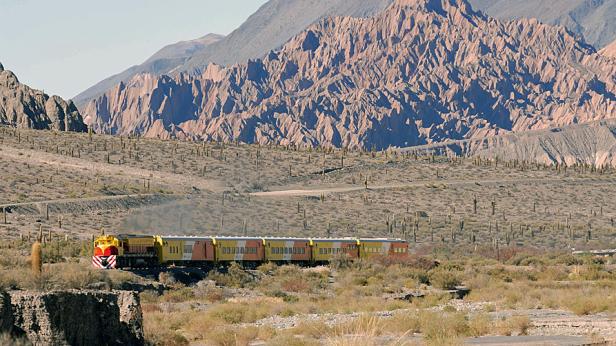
(75, 317)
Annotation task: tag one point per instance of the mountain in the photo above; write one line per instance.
(591, 143)
(277, 21)
(610, 50)
(422, 71)
(162, 62)
(594, 19)
(24, 107)
(269, 28)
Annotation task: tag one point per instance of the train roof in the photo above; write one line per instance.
(334, 240)
(381, 240)
(343, 239)
(185, 237)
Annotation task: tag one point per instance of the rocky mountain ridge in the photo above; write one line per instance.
(422, 71)
(25, 107)
(277, 21)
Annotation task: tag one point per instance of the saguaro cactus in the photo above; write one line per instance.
(36, 258)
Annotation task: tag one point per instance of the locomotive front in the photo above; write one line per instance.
(106, 251)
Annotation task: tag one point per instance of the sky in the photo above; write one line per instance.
(65, 46)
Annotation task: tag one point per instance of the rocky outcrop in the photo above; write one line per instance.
(77, 317)
(24, 107)
(422, 71)
(588, 144)
(6, 313)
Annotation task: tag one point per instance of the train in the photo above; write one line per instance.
(146, 251)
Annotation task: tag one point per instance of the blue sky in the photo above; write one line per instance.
(66, 46)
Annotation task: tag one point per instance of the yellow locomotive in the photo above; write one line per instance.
(135, 251)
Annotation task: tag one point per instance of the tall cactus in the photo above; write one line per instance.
(36, 258)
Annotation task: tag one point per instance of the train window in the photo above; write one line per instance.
(187, 248)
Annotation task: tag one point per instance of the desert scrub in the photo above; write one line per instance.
(293, 279)
(445, 279)
(235, 276)
(245, 312)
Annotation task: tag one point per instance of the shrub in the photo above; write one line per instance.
(479, 325)
(236, 276)
(443, 328)
(445, 279)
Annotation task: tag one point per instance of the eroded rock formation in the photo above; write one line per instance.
(422, 71)
(24, 107)
(76, 317)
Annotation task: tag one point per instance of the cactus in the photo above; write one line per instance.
(36, 258)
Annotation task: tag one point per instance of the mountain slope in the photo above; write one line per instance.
(162, 62)
(24, 107)
(268, 28)
(421, 71)
(592, 143)
(277, 21)
(610, 50)
(592, 18)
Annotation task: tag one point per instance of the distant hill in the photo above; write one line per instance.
(419, 72)
(594, 19)
(24, 107)
(165, 61)
(592, 143)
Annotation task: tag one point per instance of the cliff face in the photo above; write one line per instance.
(422, 71)
(24, 107)
(76, 317)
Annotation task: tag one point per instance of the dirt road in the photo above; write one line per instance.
(427, 183)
